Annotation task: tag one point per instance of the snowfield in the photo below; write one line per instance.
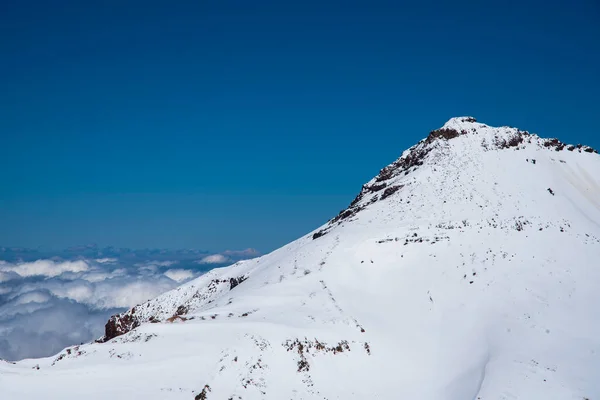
(469, 269)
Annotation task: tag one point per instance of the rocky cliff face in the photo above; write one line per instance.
(167, 308)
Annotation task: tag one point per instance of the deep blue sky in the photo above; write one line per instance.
(220, 124)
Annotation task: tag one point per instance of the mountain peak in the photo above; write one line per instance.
(470, 262)
(458, 126)
(459, 122)
(461, 145)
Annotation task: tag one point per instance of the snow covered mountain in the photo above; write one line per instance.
(467, 269)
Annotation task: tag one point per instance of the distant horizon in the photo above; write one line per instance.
(12, 253)
(98, 246)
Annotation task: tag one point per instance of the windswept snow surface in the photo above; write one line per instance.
(477, 276)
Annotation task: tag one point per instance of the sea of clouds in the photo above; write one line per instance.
(49, 303)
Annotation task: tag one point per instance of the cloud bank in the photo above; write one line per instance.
(51, 303)
(228, 256)
(214, 259)
(47, 305)
(47, 268)
(179, 275)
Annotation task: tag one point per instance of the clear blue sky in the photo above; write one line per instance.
(220, 124)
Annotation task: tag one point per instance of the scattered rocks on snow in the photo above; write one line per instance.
(306, 346)
(203, 394)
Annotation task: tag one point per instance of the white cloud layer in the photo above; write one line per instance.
(214, 259)
(179, 275)
(47, 268)
(106, 260)
(46, 305)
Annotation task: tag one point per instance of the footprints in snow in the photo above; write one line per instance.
(338, 308)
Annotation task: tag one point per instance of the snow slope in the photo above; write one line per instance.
(467, 269)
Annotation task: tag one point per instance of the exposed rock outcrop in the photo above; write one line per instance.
(156, 311)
